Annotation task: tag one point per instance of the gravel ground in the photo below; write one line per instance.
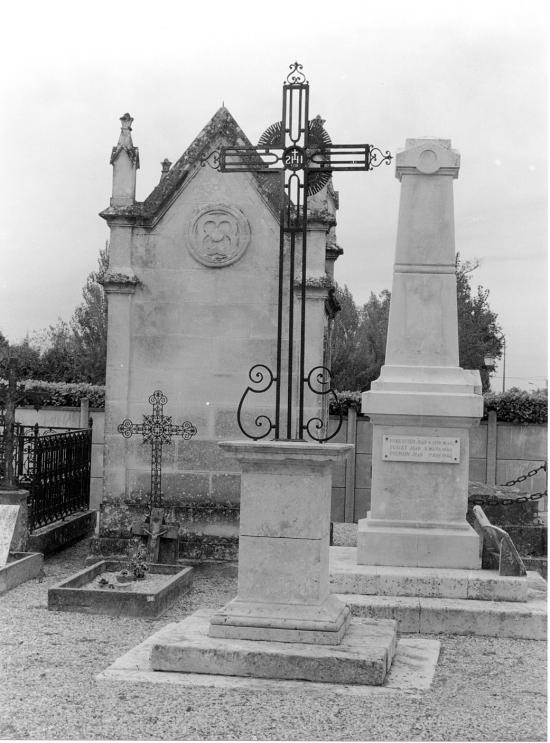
(485, 689)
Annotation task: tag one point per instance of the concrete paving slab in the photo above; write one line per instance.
(413, 668)
(346, 576)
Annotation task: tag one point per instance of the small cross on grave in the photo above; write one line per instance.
(157, 429)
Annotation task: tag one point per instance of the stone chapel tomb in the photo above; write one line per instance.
(192, 306)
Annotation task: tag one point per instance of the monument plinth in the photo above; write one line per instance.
(423, 404)
(283, 589)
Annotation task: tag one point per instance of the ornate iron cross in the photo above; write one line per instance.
(157, 429)
(303, 154)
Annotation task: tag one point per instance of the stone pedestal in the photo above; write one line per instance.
(423, 404)
(283, 589)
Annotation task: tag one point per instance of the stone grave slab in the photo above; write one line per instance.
(81, 594)
(8, 520)
(363, 657)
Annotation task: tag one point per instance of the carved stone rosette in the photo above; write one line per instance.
(218, 235)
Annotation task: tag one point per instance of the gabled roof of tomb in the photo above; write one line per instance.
(221, 125)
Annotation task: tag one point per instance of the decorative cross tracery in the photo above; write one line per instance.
(302, 152)
(157, 429)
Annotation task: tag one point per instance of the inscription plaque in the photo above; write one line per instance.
(421, 449)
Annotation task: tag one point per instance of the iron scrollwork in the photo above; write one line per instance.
(322, 377)
(257, 375)
(377, 157)
(296, 76)
(213, 160)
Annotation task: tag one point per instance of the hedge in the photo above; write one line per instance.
(512, 406)
(55, 394)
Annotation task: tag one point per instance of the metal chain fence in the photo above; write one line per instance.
(494, 500)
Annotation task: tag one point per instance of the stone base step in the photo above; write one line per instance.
(346, 576)
(460, 616)
(363, 657)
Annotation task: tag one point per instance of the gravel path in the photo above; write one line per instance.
(485, 689)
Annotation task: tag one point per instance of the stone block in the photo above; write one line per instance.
(362, 503)
(416, 547)
(478, 442)
(364, 657)
(337, 505)
(279, 569)
(226, 487)
(285, 504)
(482, 587)
(203, 455)
(14, 529)
(364, 436)
(405, 611)
(363, 469)
(20, 567)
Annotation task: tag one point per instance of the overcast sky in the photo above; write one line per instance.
(380, 72)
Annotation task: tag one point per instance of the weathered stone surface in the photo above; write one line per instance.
(418, 508)
(21, 566)
(346, 576)
(53, 537)
(8, 519)
(18, 499)
(523, 620)
(197, 310)
(74, 594)
(364, 657)
(283, 545)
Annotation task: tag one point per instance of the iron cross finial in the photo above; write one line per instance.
(296, 76)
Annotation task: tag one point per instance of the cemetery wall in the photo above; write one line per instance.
(498, 452)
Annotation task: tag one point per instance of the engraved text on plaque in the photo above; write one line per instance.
(421, 449)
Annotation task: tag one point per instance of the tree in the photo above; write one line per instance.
(76, 351)
(60, 359)
(359, 340)
(344, 341)
(24, 356)
(373, 331)
(89, 325)
(479, 335)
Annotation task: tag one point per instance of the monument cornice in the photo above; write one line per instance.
(119, 283)
(400, 171)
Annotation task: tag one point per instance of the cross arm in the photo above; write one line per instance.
(250, 159)
(127, 428)
(348, 157)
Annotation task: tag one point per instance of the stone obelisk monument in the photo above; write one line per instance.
(423, 405)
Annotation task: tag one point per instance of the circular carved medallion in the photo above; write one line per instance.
(218, 235)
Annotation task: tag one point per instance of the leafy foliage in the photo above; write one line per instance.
(56, 394)
(359, 340)
(359, 335)
(517, 406)
(71, 352)
(479, 335)
(512, 406)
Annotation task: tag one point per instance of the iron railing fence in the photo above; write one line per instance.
(53, 464)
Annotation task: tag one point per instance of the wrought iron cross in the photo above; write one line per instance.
(157, 429)
(303, 154)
